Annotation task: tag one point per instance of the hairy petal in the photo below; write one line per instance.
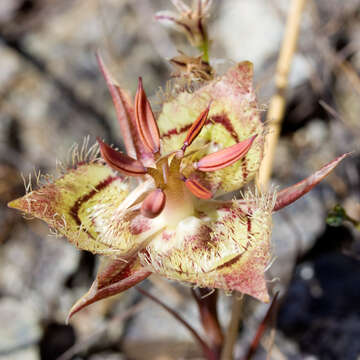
(233, 117)
(67, 203)
(292, 193)
(114, 277)
(92, 207)
(226, 249)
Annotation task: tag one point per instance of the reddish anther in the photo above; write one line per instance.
(196, 128)
(145, 121)
(197, 189)
(120, 161)
(225, 157)
(153, 204)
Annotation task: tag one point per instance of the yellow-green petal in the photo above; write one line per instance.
(227, 249)
(233, 117)
(68, 204)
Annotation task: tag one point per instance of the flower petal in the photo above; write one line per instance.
(292, 193)
(121, 162)
(225, 249)
(233, 117)
(67, 203)
(145, 121)
(114, 277)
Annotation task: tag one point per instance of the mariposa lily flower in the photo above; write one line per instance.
(157, 208)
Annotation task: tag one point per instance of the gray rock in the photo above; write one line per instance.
(20, 329)
(106, 356)
(35, 268)
(295, 230)
(237, 20)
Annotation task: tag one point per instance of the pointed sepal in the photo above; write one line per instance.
(123, 108)
(114, 277)
(125, 113)
(287, 196)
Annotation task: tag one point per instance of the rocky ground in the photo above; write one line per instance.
(52, 95)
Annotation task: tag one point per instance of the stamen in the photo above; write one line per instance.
(197, 189)
(196, 128)
(153, 204)
(225, 157)
(120, 161)
(145, 121)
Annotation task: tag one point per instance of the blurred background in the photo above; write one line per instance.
(52, 95)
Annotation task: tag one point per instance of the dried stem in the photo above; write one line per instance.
(274, 118)
(236, 311)
(277, 103)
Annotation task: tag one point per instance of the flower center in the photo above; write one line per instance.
(178, 201)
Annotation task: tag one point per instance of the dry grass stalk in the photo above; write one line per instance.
(274, 118)
(277, 103)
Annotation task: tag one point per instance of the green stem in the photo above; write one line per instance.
(204, 48)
